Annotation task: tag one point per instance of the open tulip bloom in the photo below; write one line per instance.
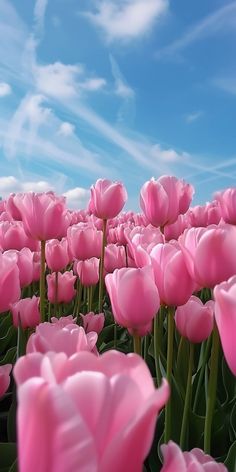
(118, 332)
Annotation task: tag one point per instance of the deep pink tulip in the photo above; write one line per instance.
(85, 241)
(4, 378)
(60, 337)
(9, 281)
(24, 261)
(115, 257)
(163, 200)
(88, 271)
(12, 209)
(107, 198)
(227, 202)
(194, 320)
(193, 461)
(225, 315)
(26, 312)
(82, 408)
(57, 256)
(134, 296)
(117, 235)
(66, 290)
(13, 236)
(44, 215)
(93, 322)
(172, 278)
(204, 248)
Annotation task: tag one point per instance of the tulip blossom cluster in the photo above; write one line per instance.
(111, 318)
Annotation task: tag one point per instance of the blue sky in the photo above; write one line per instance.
(123, 89)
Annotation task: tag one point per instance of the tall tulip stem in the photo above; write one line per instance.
(211, 394)
(170, 340)
(101, 267)
(42, 281)
(137, 344)
(187, 400)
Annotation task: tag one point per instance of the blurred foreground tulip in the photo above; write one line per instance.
(193, 461)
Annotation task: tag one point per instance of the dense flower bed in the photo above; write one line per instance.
(117, 332)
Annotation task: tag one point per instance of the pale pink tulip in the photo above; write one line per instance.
(9, 281)
(163, 200)
(227, 202)
(65, 290)
(93, 322)
(107, 198)
(194, 320)
(90, 413)
(193, 461)
(24, 261)
(225, 315)
(134, 296)
(4, 378)
(88, 271)
(13, 236)
(85, 241)
(26, 313)
(115, 257)
(57, 256)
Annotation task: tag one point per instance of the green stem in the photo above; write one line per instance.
(170, 340)
(78, 300)
(90, 298)
(56, 295)
(42, 282)
(202, 363)
(101, 267)
(187, 400)
(145, 347)
(115, 335)
(137, 344)
(157, 349)
(211, 397)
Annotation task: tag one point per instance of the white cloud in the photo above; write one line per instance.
(10, 184)
(166, 155)
(228, 84)
(39, 13)
(126, 19)
(58, 79)
(5, 89)
(122, 89)
(93, 84)
(66, 129)
(221, 20)
(191, 117)
(77, 198)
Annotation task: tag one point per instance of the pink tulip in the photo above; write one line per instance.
(57, 337)
(194, 320)
(4, 378)
(163, 200)
(141, 240)
(24, 261)
(227, 202)
(117, 235)
(115, 257)
(134, 296)
(13, 236)
(174, 230)
(194, 461)
(65, 290)
(57, 256)
(44, 215)
(93, 322)
(26, 312)
(107, 198)
(225, 315)
(172, 278)
(203, 248)
(36, 266)
(85, 241)
(90, 413)
(88, 271)
(9, 281)
(205, 215)
(12, 208)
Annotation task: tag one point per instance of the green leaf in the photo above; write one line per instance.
(21, 342)
(7, 338)
(230, 461)
(11, 419)
(14, 467)
(9, 357)
(8, 454)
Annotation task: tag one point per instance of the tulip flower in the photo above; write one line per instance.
(227, 202)
(115, 257)
(194, 320)
(193, 461)
(9, 281)
(4, 378)
(26, 313)
(65, 289)
(13, 236)
(163, 200)
(93, 322)
(88, 271)
(56, 253)
(107, 198)
(87, 413)
(24, 261)
(85, 241)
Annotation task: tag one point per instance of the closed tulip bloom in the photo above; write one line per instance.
(203, 248)
(163, 200)
(36, 266)
(13, 236)
(12, 209)
(44, 215)
(205, 215)
(172, 278)
(107, 198)
(141, 240)
(227, 202)
(57, 256)
(85, 241)
(82, 408)
(4, 378)
(24, 261)
(88, 271)
(9, 281)
(194, 320)
(134, 296)
(26, 313)
(60, 337)
(115, 257)
(193, 461)
(174, 230)
(93, 322)
(66, 290)
(225, 315)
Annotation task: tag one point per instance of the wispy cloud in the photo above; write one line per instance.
(191, 117)
(228, 84)
(66, 129)
(126, 20)
(221, 20)
(5, 89)
(39, 14)
(122, 89)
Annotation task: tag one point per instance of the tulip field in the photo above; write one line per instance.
(118, 331)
